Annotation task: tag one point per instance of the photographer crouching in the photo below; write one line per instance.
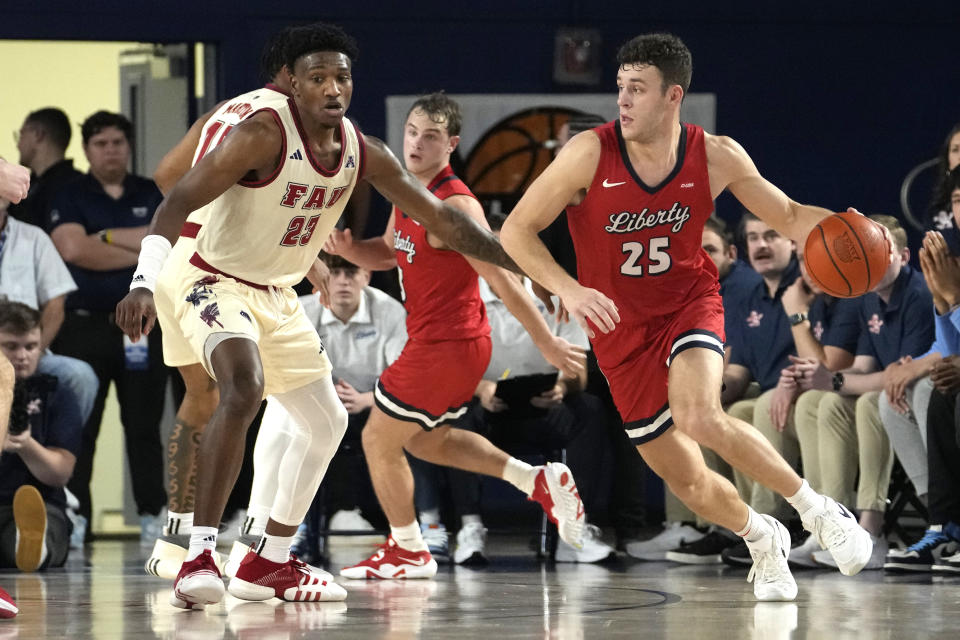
(39, 451)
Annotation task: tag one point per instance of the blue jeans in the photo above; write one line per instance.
(77, 375)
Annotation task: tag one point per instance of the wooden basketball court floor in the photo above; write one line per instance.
(105, 594)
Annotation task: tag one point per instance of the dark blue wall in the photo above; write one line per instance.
(834, 103)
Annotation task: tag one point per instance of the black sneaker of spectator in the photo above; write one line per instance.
(706, 550)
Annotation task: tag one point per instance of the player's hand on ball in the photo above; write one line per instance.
(136, 313)
(590, 307)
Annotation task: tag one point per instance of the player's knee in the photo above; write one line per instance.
(339, 420)
(688, 485)
(242, 391)
(704, 426)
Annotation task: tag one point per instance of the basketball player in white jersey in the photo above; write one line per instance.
(200, 398)
(276, 186)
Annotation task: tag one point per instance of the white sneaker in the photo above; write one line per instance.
(237, 553)
(877, 556)
(838, 531)
(594, 549)
(231, 530)
(802, 555)
(672, 536)
(471, 540)
(351, 520)
(437, 540)
(556, 491)
(151, 527)
(770, 574)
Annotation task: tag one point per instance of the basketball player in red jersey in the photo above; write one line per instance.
(637, 192)
(434, 379)
(273, 189)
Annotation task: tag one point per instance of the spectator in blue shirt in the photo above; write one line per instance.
(39, 451)
(97, 223)
(895, 323)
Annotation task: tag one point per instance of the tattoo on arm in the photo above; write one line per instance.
(463, 234)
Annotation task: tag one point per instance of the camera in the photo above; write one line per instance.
(28, 396)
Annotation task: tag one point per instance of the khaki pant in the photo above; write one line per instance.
(839, 437)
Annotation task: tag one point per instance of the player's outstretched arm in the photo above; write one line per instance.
(454, 228)
(565, 181)
(373, 254)
(730, 167)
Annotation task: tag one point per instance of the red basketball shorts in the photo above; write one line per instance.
(638, 378)
(431, 383)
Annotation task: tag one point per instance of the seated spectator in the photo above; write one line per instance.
(846, 431)
(42, 141)
(736, 278)
(97, 222)
(939, 216)
(32, 273)
(907, 385)
(563, 416)
(933, 451)
(39, 451)
(363, 330)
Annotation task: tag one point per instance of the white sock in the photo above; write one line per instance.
(520, 474)
(275, 548)
(429, 517)
(471, 518)
(805, 499)
(201, 539)
(256, 521)
(408, 537)
(178, 524)
(757, 528)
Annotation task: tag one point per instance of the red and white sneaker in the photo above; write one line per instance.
(315, 571)
(556, 491)
(8, 608)
(198, 583)
(393, 562)
(260, 579)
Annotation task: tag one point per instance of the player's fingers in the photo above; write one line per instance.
(149, 321)
(605, 315)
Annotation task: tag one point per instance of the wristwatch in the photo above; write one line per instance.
(797, 318)
(837, 381)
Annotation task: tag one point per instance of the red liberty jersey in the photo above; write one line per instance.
(439, 287)
(640, 245)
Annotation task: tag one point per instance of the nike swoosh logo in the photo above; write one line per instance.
(612, 184)
(419, 562)
(844, 512)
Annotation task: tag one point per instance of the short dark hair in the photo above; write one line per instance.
(103, 119)
(17, 318)
(580, 122)
(745, 217)
(54, 123)
(894, 227)
(273, 54)
(664, 51)
(336, 262)
(442, 109)
(318, 36)
(716, 224)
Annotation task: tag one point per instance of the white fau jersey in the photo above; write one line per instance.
(269, 232)
(230, 114)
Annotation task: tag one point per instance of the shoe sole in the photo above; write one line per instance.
(475, 559)
(30, 516)
(946, 568)
(165, 560)
(897, 567)
(566, 501)
(684, 558)
(254, 592)
(403, 572)
(196, 596)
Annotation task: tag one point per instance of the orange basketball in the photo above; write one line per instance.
(846, 254)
